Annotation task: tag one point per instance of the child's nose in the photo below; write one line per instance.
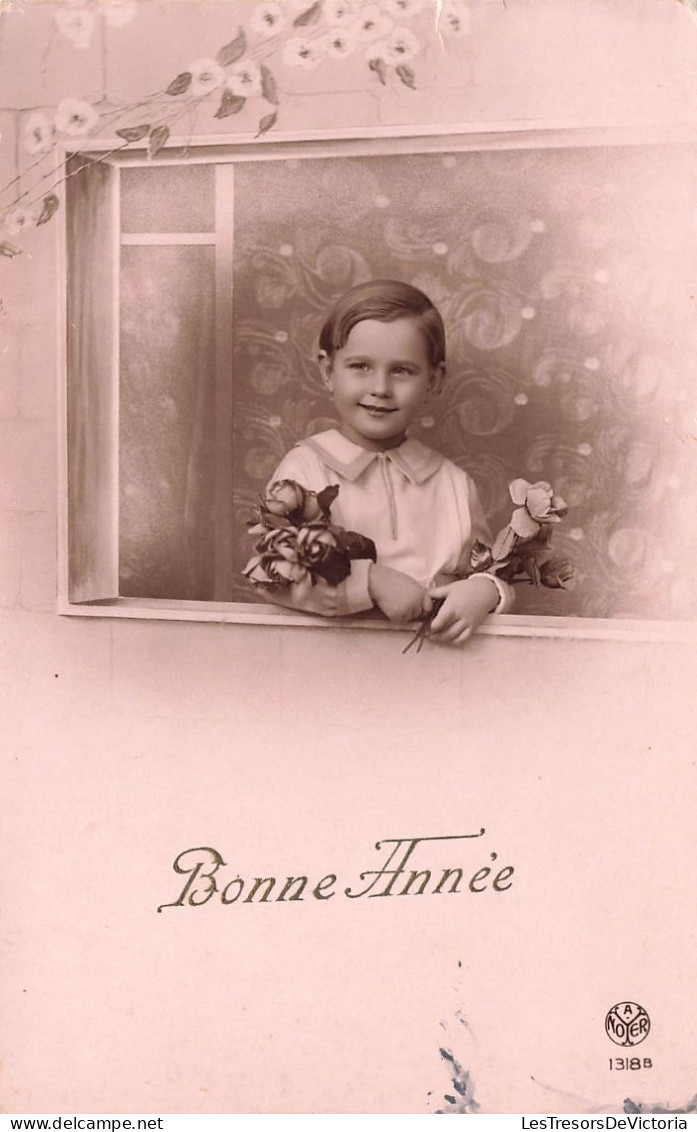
(381, 382)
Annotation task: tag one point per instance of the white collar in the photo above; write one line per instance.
(417, 462)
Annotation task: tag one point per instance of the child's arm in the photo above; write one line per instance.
(398, 596)
(469, 601)
(306, 598)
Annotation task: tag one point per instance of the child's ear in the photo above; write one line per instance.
(325, 368)
(436, 382)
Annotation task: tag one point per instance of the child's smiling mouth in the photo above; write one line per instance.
(378, 410)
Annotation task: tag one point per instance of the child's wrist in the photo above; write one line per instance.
(492, 587)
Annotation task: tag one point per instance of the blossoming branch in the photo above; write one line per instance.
(295, 33)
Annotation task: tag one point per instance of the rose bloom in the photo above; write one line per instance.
(284, 498)
(291, 500)
(282, 572)
(255, 572)
(480, 556)
(281, 543)
(314, 544)
(536, 504)
(558, 574)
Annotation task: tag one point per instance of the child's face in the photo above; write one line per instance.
(380, 380)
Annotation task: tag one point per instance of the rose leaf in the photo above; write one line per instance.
(335, 568)
(232, 51)
(378, 66)
(157, 139)
(268, 86)
(229, 104)
(8, 249)
(406, 75)
(49, 206)
(326, 497)
(181, 83)
(133, 133)
(266, 123)
(309, 16)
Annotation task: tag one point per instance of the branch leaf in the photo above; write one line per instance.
(229, 104)
(406, 75)
(133, 133)
(266, 123)
(180, 84)
(268, 86)
(378, 66)
(8, 249)
(49, 205)
(309, 16)
(233, 50)
(158, 138)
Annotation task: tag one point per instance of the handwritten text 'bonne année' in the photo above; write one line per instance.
(204, 868)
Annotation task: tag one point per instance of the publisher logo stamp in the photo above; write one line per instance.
(627, 1024)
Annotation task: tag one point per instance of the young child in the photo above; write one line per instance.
(382, 356)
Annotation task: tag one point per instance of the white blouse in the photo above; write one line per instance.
(422, 511)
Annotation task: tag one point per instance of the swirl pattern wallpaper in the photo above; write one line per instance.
(566, 281)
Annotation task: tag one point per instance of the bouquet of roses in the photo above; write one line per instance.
(521, 551)
(297, 540)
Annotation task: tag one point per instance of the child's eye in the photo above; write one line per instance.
(405, 371)
(358, 365)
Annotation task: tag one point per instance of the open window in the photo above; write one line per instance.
(565, 266)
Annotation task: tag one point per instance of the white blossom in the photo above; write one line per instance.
(19, 219)
(206, 75)
(301, 53)
(267, 19)
(399, 47)
(340, 12)
(339, 43)
(118, 12)
(75, 117)
(244, 79)
(38, 133)
(455, 18)
(372, 23)
(76, 24)
(402, 9)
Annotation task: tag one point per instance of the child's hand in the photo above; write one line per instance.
(467, 603)
(303, 596)
(398, 596)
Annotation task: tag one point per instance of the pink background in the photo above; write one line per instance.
(293, 750)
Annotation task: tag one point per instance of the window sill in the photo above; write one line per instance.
(500, 625)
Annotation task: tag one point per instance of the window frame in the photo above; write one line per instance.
(80, 596)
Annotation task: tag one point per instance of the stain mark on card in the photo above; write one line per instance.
(461, 1100)
(633, 1107)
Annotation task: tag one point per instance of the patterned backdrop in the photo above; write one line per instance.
(565, 279)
